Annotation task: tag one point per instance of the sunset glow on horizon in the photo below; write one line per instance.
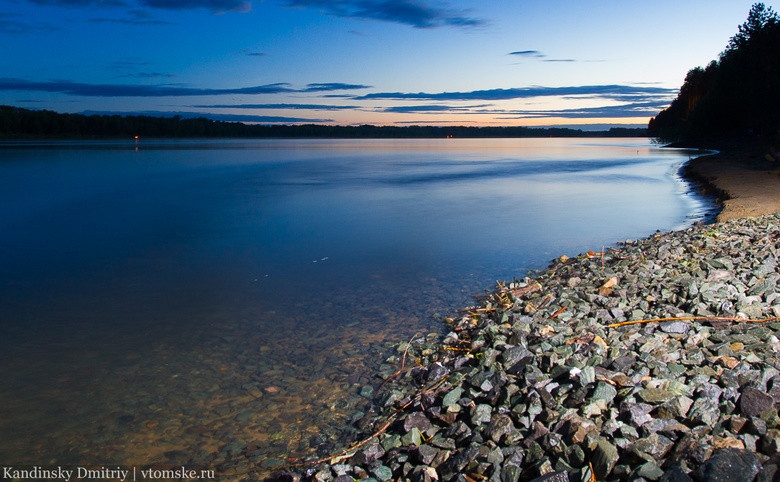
(349, 62)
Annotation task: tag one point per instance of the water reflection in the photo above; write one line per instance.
(186, 300)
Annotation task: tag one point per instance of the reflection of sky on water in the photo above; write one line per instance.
(242, 209)
(110, 255)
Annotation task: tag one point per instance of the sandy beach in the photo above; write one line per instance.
(746, 179)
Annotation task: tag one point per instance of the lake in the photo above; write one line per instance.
(223, 302)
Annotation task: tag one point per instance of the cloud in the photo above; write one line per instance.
(407, 109)
(213, 5)
(331, 86)
(636, 109)
(217, 6)
(260, 119)
(525, 93)
(9, 24)
(113, 90)
(528, 53)
(278, 106)
(415, 13)
(136, 17)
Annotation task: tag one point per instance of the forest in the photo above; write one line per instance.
(734, 97)
(18, 123)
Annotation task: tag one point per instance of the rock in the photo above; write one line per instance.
(500, 425)
(417, 420)
(436, 371)
(675, 474)
(547, 385)
(729, 465)
(755, 403)
(604, 458)
(426, 454)
(382, 473)
(654, 445)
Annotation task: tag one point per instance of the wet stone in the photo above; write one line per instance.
(534, 382)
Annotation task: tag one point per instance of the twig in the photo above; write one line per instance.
(403, 363)
(694, 318)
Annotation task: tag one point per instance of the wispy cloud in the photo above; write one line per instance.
(636, 109)
(407, 109)
(279, 106)
(331, 86)
(528, 53)
(134, 17)
(535, 54)
(213, 5)
(525, 93)
(216, 6)
(260, 119)
(113, 90)
(10, 24)
(415, 13)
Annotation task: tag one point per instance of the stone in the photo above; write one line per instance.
(679, 327)
(452, 397)
(417, 420)
(675, 474)
(654, 445)
(382, 473)
(755, 403)
(649, 471)
(604, 458)
(729, 465)
(604, 391)
(677, 407)
(500, 424)
(436, 371)
(425, 454)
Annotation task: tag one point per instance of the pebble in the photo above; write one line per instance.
(541, 381)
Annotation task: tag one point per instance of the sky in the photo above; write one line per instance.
(577, 63)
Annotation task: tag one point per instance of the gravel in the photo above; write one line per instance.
(657, 359)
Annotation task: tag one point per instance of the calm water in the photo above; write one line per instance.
(160, 301)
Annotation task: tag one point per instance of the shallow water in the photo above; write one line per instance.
(175, 301)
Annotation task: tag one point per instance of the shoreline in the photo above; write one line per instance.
(745, 179)
(654, 360)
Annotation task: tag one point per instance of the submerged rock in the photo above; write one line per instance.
(580, 371)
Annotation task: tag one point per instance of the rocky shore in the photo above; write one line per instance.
(658, 359)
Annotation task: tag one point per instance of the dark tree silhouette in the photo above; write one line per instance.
(735, 96)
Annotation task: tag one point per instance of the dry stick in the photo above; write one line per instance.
(693, 318)
(403, 362)
(390, 419)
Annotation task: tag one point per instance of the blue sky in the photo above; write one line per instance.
(425, 62)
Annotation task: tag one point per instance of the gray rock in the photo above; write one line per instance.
(604, 458)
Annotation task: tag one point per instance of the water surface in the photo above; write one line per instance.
(169, 301)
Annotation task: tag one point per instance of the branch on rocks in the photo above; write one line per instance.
(403, 363)
(714, 319)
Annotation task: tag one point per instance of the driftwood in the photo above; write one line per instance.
(712, 319)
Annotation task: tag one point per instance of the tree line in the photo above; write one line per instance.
(735, 96)
(18, 123)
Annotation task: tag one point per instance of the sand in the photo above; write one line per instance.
(746, 179)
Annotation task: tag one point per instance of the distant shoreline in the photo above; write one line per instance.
(26, 124)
